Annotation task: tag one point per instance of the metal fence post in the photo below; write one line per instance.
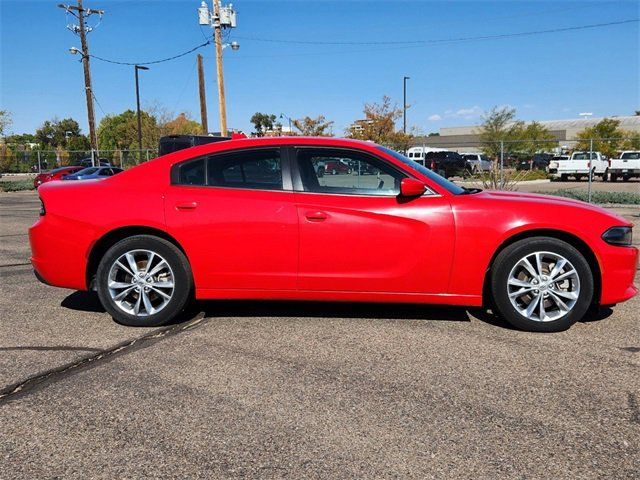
(590, 168)
(39, 164)
(501, 164)
(147, 154)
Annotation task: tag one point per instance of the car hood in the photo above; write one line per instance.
(548, 200)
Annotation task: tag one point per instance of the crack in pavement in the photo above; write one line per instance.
(32, 384)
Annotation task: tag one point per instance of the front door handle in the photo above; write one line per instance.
(316, 216)
(186, 205)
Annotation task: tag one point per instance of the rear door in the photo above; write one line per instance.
(234, 214)
(358, 235)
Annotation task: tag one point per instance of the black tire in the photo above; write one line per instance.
(564, 177)
(508, 258)
(613, 177)
(183, 280)
(625, 178)
(605, 175)
(320, 172)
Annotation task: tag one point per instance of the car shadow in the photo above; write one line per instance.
(83, 302)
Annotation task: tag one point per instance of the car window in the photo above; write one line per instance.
(87, 171)
(630, 156)
(257, 169)
(346, 172)
(192, 173)
(104, 172)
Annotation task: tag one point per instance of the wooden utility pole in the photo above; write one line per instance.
(79, 11)
(203, 97)
(217, 29)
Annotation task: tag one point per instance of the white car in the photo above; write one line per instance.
(579, 165)
(477, 162)
(627, 166)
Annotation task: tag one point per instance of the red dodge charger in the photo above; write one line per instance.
(253, 219)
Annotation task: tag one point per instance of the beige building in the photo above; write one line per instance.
(466, 139)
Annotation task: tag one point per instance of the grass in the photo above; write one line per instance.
(16, 185)
(622, 198)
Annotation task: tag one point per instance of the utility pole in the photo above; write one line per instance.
(404, 104)
(136, 68)
(203, 97)
(81, 29)
(223, 17)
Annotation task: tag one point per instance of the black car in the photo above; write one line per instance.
(446, 163)
(173, 143)
(540, 161)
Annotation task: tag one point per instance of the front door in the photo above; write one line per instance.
(357, 234)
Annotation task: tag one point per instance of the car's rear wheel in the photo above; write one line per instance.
(613, 177)
(144, 281)
(541, 284)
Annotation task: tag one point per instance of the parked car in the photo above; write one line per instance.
(477, 162)
(445, 163)
(173, 143)
(626, 166)
(552, 168)
(200, 229)
(55, 174)
(579, 165)
(335, 167)
(92, 173)
(540, 161)
(88, 162)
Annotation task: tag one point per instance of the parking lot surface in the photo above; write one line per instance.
(305, 390)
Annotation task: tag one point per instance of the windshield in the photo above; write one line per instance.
(87, 171)
(583, 156)
(443, 182)
(630, 156)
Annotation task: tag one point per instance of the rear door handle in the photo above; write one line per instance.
(186, 205)
(316, 216)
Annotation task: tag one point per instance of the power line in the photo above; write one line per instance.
(444, 40)
(154, 61)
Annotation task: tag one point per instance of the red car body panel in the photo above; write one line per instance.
(259, 244)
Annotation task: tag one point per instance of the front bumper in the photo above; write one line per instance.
(619, 267)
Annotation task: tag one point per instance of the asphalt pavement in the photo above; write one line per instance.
(305, 390)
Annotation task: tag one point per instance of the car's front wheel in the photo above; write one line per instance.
(541, 284)
(144, 281)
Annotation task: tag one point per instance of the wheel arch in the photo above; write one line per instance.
(112, 237)
(569, 238)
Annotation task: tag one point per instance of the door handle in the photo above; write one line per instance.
(186, 205)
(316, 216)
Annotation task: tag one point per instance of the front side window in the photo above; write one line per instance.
(346, 172)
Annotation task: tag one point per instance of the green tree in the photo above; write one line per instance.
(5, 122)
(499, 125)
(607, 137)
(121, 131)
(263, 122)
(379, 125)
(533, 138)
(314, 127)
(61, 133)
(181, 125)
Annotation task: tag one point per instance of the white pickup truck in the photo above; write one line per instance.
(578, 166)
(627, 166)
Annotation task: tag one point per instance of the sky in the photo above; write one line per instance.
(544, 77)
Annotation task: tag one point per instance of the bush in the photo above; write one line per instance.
(625, 198)
(16, 185)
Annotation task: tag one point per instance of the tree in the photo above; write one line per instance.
(314, 127)
(499, 125)
(637, 113)
(5, 122)
(379, 125)
(533, 138)
(63, 133)
(263, 122)
(607, 137)
(121, 131)
(181, 125)
(632, 142)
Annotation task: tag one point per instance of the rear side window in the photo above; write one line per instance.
(192, 173)
(257, 169)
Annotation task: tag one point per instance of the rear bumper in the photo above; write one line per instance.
(625, 171)
(619, 268)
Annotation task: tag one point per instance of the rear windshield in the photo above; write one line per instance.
(443, 182)
(583, 156)
(630, 156)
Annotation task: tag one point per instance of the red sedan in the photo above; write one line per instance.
(252, 219)
(55, 174)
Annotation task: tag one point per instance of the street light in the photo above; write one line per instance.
(282, 115)
(404, 104)
(136, 68)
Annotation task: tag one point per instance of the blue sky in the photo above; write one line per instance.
(546, 76)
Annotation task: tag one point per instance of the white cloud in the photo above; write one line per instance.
(434, 118)
(465, 113)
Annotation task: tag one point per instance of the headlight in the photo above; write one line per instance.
(618, 236)
(42, 210)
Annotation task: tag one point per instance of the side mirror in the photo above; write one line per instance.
(410, 187)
